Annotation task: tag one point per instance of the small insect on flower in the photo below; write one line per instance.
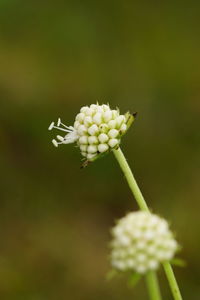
(97, 130)
(141, 241)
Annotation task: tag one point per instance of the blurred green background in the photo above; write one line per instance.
(56, 56)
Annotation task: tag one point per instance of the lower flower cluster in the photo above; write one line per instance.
(141, 241)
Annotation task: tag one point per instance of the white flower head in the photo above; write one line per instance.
(97, 130)
(140, 242)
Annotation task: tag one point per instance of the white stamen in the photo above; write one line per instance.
(59, 122)
(60, 138)
(62, 129)
(51, 126)
(55, 143)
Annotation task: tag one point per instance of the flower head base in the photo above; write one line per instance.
(141, 241)
(97, 129)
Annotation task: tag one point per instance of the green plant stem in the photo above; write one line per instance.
(153, 286)
(143, 206)
(172, 281)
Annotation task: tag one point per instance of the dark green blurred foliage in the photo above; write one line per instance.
(55, 57)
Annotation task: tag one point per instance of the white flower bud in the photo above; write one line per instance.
(93, 140)
(139, 246)
(83, 148)
(93, 106)
(100, 109)
(115, 114)
(113, 133)
(89, 112)
(83, 140)
(113, 142)
(103, 148)
(93, 130)
(76, 124)
(97, 118)
(88, 121)
(80, 117)
(120, 120)
(82, 130)
(105, 107)
(107, 116)
(112, 124)
(123, 128)
(103, 138)
(83, 109)
(92, 149)
(104, 128)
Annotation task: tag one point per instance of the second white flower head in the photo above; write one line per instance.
(140, 242)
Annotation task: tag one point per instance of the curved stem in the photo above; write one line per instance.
(143, 206)
(153, 286)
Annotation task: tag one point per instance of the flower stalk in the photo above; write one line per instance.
(151, 277)
(153, 286)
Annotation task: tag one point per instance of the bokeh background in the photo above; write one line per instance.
(56, 56)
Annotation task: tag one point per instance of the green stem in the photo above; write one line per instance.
(153, 286)
(143, 206)
(172, 281)
(130, 178)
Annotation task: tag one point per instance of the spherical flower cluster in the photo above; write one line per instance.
(96, 130)
(141, 241)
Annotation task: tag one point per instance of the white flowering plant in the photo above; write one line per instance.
(141, 241)
(97, 130)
